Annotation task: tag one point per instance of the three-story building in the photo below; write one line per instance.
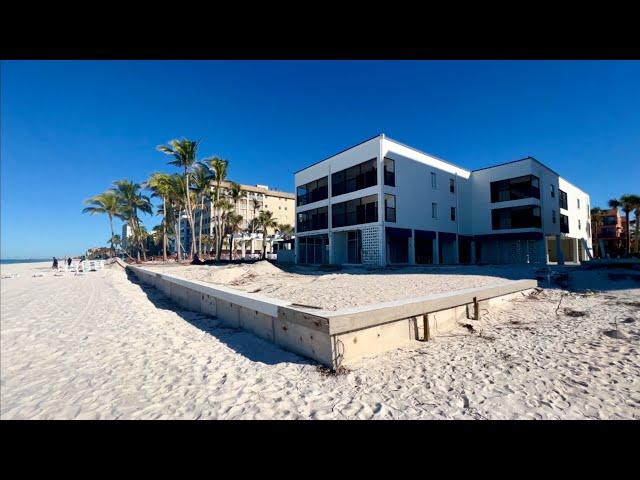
(384, 203)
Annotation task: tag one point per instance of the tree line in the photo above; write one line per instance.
(198, 186)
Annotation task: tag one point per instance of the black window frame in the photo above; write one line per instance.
(312, 219)
(314, 192)
(354, 178)
(563, 200)
(389, 176)
(498, 188)
(452, 185)
(520, 220)
(564, 223)
(389, 212)
(355, 212)
(452, 214)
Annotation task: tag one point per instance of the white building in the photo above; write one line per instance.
(382, 202)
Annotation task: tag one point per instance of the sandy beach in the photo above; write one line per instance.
(99, 346)
(349, 287)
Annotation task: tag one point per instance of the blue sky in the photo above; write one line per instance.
(69, 128)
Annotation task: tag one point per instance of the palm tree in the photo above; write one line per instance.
(160, 185)
(285, 230)
(596, 223)
(107, 202)
(234, 221)
(266, 221)
(175, 205)
(630, 203)
(627, 203)
(132, 201)
(219, 167)
(184, 152)
(202, 177)
(116, 241)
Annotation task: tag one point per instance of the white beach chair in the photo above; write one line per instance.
(38, 274)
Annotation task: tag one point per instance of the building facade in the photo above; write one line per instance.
(385, 203)
(609, 233)
(255, 199)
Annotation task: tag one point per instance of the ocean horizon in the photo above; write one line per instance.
(7, 261)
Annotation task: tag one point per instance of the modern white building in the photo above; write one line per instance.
(384, 203)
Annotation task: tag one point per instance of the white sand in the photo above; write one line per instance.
(99, 347)
(349, 287)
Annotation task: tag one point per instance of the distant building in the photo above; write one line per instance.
(609, 232)
(384, 203)
(256, 199)
(127, 231)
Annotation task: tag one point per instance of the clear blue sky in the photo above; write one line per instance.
(68, 129)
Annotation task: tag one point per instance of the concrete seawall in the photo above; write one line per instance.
(333, 338)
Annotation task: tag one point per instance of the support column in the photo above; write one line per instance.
(243, 247)
(457, 250)
(436, 249)
(543, 251)
(412, 248)
(331, 248)
(559, 254)
(574, 242)
(473, 252)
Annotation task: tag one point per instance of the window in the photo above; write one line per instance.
(434, 210)
(433, 179)
(314, 219)
(564, 201)
(564, 223)
(313, 249)
(389, 172)
(579, 225)
(389, 207)
(312, 191)
(578, 203)
(355, 212)
(354, 244)
(453, 214)
(354, 178)
(516, 217)
(452, 185)
(553, 191)
(553, 216)
(527, 186)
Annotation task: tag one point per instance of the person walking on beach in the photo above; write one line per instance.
(69, 262)
(55, 263)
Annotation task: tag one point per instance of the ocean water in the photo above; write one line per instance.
(7, 261)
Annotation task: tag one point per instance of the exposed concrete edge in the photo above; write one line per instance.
(346, 320)
(119, 261)
(268, 306)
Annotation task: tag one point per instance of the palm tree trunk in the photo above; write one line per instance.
(164, 229)
(178, 237)
(636, 247)
(626, 214)
(264, 244)
(201, 218)
(113, 253)
(188, 210)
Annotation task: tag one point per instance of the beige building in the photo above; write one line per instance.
(256, 199)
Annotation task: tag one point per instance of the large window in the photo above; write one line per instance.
(314, 219)
(527, 186)
(434, 210)
(516, 217)
(389, 172)
(452, 185)
(313, 249)
(564, 201)
(313, 191)
(564, 223)
(453, 214)
(354, 246)
(355, 212)
(389, 207)
(433, 180)
(354, 178)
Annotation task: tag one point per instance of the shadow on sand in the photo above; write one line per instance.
(241, 341)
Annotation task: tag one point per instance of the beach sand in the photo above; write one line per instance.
(350, 287)
(100, 346)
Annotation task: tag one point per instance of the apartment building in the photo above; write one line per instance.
(256, 198)
(384, 203)
(609, 232)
